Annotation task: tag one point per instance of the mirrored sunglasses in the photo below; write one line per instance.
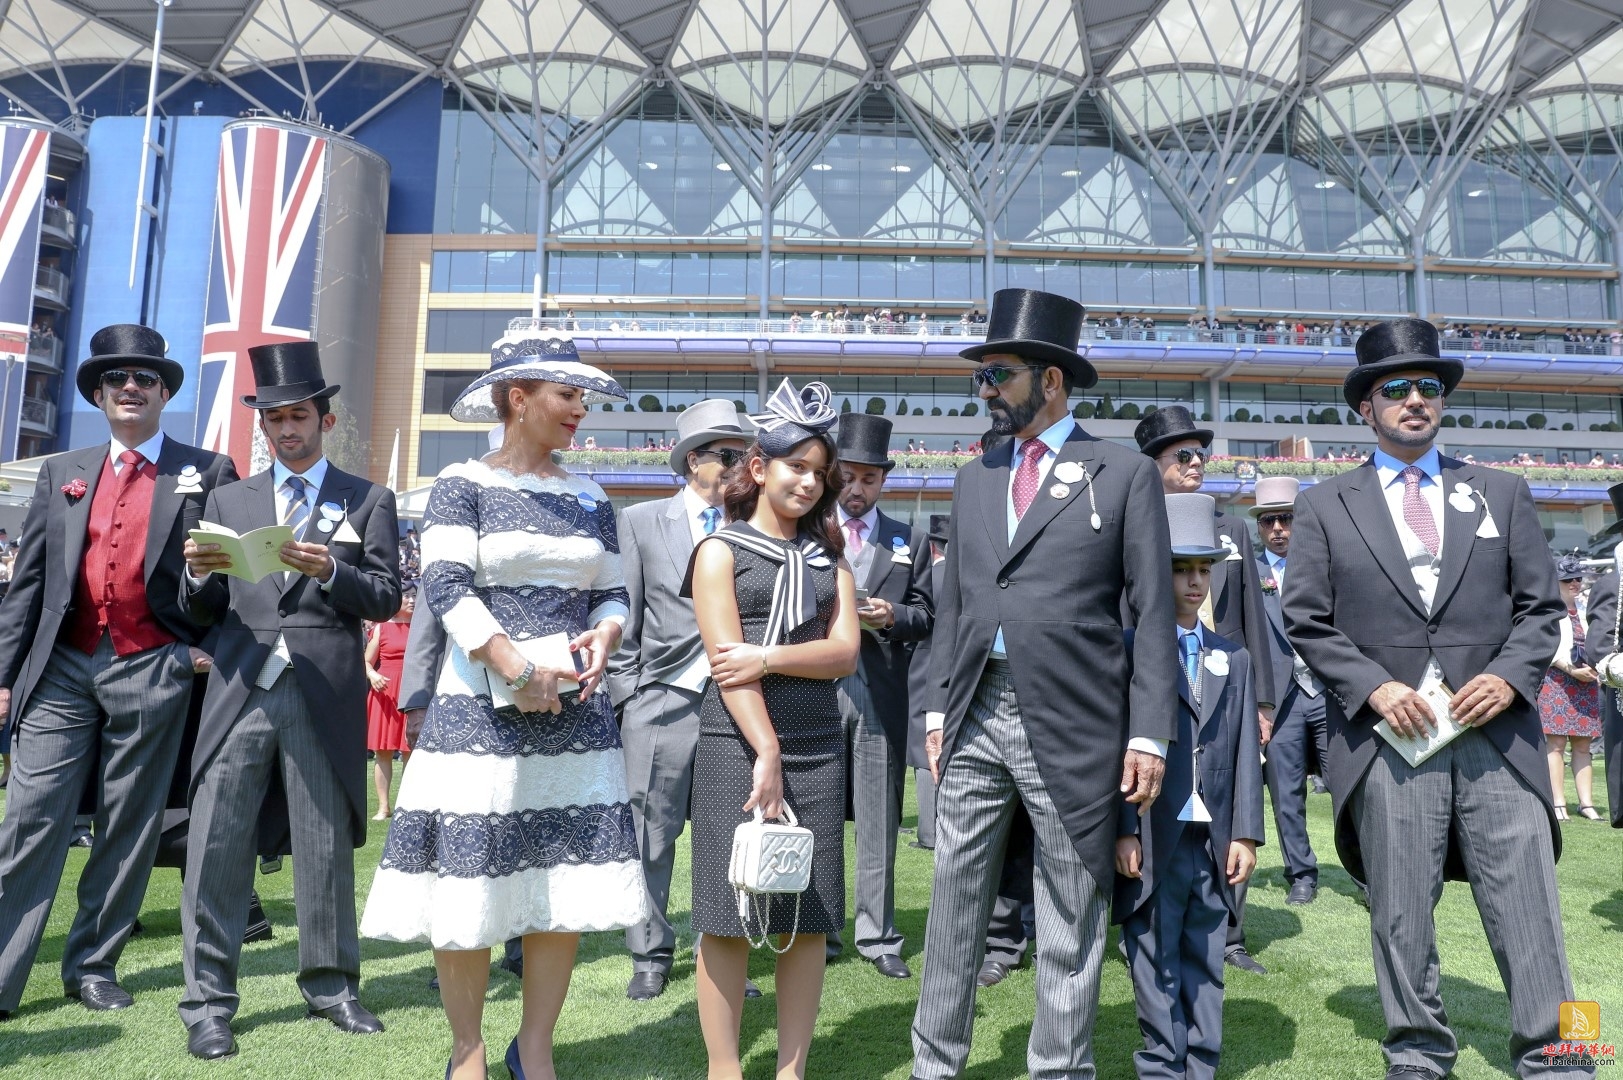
(995, 375)
(1399, 389)
(1189, 453)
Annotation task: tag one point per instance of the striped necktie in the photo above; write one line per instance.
(297, 514)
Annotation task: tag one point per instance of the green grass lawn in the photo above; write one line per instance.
(1316, 1014)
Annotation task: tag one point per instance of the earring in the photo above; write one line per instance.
(521, 416)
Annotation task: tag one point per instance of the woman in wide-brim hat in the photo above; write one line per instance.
(1569, 700)
(516, 822)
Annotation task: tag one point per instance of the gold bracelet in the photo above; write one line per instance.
(766, 663)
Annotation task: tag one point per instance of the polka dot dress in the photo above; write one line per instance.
(806, 716)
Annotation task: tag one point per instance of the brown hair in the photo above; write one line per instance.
(821, 523)
(499, 392)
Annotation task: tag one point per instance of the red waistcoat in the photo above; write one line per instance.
(110, 594)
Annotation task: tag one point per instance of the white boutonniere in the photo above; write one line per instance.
(1217, 663)
(189, 482)
(1465, 498)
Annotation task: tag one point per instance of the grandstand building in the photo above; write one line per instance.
(717, 193)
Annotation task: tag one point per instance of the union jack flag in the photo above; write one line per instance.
(23, 155)
(262, 277)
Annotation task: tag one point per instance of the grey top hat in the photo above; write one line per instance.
(1275, 493)
(708, 421)
(1192, 520)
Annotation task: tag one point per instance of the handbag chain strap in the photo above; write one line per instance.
(754, 904)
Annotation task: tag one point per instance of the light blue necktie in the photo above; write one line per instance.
(1191, 658)
(711, 516)
(298, 510)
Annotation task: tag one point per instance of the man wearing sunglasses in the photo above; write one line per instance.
(1031, 694)
(657, 677)
(1234, 607)
(1418, 570)
(96, 664)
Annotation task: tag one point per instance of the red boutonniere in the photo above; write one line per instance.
(75, 489)
(1270, 586)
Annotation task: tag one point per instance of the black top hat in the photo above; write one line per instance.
(939, 524)
(286, 373)
(127, 345)
(1037, 326)
(1398, 345)
(1616, 492)
(1168, 425)
(864, 439)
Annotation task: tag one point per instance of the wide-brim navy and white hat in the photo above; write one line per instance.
(532, 354)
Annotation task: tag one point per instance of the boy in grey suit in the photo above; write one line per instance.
(1178, 867)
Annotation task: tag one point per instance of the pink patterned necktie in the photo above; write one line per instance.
(854, 528)
(1416, 512)
(1028, 475)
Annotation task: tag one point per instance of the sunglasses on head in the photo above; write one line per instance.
(1399, 389)
(996, 375)
(116, 378)
(1189, 453)
(728, 458)
(1268, 521)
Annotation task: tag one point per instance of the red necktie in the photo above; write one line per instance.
(1416, 511)
(133, 463)
(1028, 475)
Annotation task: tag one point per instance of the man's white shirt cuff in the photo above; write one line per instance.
(935, 721)
(1153, 747)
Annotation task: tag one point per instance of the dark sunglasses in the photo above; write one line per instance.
(996, 375)
(116, 379)
(728, 458)
(1398, 389)
(1190, 453)
(1268, 521)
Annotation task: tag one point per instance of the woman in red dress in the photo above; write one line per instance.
(1569, 701)
(385, 723)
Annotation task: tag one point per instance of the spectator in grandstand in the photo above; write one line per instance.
(794, 323)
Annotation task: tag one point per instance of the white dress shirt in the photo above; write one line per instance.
(694, 677)
(1390, 470)
(280, 658)
(148, 450)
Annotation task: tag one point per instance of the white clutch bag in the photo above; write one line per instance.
(769, 858)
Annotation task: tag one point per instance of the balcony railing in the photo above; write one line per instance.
(52, 285)
(59, 225)
(1609, 343)
(40, 415)
(45, 351)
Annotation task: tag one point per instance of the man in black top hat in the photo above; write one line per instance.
(1234, 607)
(288, 649)
(891, 563)
(918, 678)
(96, 662)
(1029, 682)
(1421, 589)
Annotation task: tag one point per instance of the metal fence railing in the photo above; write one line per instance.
(1609, 344)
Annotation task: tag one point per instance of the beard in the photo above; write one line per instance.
(1010, 417)
(1397, 434)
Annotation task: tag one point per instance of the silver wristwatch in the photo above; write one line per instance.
(524, 677)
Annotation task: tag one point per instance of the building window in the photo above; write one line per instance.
(467, 331)
(438, 449)
(442, 388)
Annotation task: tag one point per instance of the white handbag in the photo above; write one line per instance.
(769, 858)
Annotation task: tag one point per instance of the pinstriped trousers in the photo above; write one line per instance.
(991, 764)
(1404, 818)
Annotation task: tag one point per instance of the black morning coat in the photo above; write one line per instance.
(1354, 614)
(1230, 778)
(1058, 591)
(900, 573)
(1601, 638)
(53, 544)
(323, 626)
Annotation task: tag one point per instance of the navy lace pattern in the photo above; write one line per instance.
(500, 845)
(458, 724)
(456, 500)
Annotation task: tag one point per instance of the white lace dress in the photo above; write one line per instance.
(510, 823)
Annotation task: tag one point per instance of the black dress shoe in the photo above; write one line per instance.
(349, 1017)
(1239, 958)
(513, 965)
(1412, 1072)
(211, 1039)
(646, 985)
(891, 967)
(750, 989)
(1302, 892)
(258, 927)
(921, 847)
(992, 972)
(100, 995)
(434, 983)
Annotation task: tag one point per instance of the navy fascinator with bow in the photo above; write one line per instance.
(793, 416)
